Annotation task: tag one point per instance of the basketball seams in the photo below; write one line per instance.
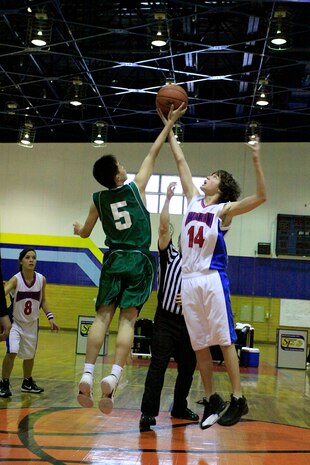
(171, 94)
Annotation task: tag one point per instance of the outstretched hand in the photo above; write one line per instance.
(173, 114)
(170, 190)
(77, 228)
(253, 144)
(255, 147)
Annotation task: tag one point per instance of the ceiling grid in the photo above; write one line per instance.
(219, 51)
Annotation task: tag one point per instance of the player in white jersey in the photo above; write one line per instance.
(205, 286)
(27, 291)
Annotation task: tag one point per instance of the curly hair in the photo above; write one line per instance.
(230, 189)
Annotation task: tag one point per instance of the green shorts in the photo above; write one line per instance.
(126, 278)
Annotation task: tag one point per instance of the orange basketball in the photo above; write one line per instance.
(171, 94)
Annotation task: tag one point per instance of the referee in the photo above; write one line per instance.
(170, 336)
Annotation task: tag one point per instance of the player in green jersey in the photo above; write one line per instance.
(128, 267)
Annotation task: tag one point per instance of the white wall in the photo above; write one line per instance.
(45, 189)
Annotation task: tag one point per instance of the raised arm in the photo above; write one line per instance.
(147, 167)
(164, 234)
(184, 171)
(86, 229)
(253, 201)
(189, 189)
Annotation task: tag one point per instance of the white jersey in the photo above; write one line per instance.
(202, 238)
(27, 298)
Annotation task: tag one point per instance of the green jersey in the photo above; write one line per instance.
(124, 218)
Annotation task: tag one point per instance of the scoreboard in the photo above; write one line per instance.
(293, 235)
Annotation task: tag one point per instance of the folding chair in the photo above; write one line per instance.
(142, 340)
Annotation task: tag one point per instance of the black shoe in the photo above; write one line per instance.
(236, 409)
(30, 386)
(5, 388)
(186, 415)
(146, 421)
(212, 410)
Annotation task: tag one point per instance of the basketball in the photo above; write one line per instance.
(171, 94)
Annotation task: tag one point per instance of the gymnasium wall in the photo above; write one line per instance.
(45, 189)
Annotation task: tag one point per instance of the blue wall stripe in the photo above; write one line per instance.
(76, 258)
(249, 276)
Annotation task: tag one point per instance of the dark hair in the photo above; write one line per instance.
(104, 171)
(23, 254)
(230, 189)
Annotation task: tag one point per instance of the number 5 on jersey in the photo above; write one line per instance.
(121, 217)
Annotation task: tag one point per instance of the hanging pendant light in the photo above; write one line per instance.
(26, 135)
(99, 134)
(253, 133)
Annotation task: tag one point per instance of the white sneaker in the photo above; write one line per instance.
(108, 384)
(209, 421)
(106, 403)
(108, 388)
(85, 395)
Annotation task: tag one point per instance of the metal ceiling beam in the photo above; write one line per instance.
(85, 67)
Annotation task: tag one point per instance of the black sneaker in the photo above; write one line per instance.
(5, 388)
(212, 410)
(30, 386)
(146, 421)
(237, 408)
(186, 415)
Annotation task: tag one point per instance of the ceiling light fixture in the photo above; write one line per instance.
(99, 134)
(279, 31)
(279, 38)
(76, 91)
(178, 130)
(39, 29)
(160, 38)
(262, 99)
(11, 107)
(26, 135)
(253, 133)
(169, 80)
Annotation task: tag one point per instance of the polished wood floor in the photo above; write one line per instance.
(51, 428)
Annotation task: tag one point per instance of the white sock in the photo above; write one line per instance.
(89, 368)
(116, 371)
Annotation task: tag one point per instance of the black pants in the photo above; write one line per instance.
(170, 339)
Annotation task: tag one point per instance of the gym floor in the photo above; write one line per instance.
(51, 428)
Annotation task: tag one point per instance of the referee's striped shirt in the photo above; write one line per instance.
(169, 279)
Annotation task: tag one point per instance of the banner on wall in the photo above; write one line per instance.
(83, 327)
(292, 348)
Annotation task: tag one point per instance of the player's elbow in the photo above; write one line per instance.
(263, 196)
(260, 200)
(163, 229)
